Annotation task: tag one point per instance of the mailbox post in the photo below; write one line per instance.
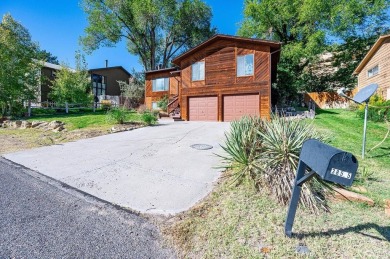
(329, 163)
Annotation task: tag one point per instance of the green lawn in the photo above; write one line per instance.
(85, 120)
(345, 131)
(241, 222)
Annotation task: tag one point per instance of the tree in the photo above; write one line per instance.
(48, 57)
(72, 86)
(307, 28)
(19, 74)
(134, 90)
(155, 30)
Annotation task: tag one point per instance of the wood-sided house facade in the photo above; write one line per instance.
(221, 79)
(375, 67)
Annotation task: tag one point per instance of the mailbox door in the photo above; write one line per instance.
(342, 169)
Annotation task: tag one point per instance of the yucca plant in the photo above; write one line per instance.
(242, 148)
(281, 142)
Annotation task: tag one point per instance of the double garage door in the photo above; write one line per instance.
(234, 107)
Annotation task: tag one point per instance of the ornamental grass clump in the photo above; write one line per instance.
(242, 148)
(281, 143)
(267, 151)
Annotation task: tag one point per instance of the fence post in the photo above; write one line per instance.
(94, 106)
(29, 108)
(66, 107)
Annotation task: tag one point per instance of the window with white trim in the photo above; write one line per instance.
(198, 71)
(155, 106)
(373, 71)
(245, 65)
(160, 84)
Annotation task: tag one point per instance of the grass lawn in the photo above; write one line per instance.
(78, 126)
(240, 222)
(85, 120)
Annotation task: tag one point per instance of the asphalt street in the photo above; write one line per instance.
(39, 218)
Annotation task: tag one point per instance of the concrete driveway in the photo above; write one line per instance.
(151, 170)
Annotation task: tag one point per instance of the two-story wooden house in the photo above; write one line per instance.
(375, 67)
(222, 79)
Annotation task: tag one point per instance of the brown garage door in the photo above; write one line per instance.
(203, 108)
(236, 106)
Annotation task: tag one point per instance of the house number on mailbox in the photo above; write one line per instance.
(341, 173)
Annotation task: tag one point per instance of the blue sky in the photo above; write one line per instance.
(57, 25)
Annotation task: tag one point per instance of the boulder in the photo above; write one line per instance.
(35, 124)
(342, 194)
(16, 124)
(25, 125)
(55, 124)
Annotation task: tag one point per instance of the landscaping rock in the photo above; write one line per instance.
(35, 124)
(54, 125)
(343, 194)
(16, 124)
(25, 125)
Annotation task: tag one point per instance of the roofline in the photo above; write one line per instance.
(162, 70)
(55, 66)
(370, 53)
(103, 68)
(273, 44)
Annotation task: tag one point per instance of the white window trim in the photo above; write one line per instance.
(368, 71)
(201, 78)
(253, 69)
(166, 79)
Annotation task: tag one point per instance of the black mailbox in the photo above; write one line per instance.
(329, 163)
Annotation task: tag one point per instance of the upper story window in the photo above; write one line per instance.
(198, 71)
(373, 71)
(245, 65)
(160, 84)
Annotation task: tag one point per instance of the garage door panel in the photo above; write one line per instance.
(237, 106)
(203, 108)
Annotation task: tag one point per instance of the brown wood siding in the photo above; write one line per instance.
(221, 76)
(220, 67)
(382, 59)
(173, 90)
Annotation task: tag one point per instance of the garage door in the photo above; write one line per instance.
(203, 108)
(236, 106)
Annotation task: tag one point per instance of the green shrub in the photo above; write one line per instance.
(117, 115)
(377, 110)
(150, 118)
(163, 103)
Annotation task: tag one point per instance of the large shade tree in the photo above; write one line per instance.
(155, 30)
(19, 69)
(309, 27)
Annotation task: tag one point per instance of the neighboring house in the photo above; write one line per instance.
(375, 67)
(222, 79)
(48, 73)
(104, 80)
